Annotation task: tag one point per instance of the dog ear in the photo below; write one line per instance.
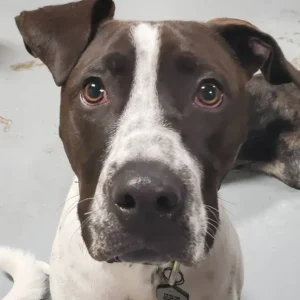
(256, 50)
(59, 34)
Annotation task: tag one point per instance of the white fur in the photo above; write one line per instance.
(75, 275)
(143, 134)
(30, 276)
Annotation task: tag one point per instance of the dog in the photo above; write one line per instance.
(273, 142)
(153, 116)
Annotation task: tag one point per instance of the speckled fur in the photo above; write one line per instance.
(220, 275)
(273, 143)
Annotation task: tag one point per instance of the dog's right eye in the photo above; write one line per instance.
(208, 95)
(94, 92)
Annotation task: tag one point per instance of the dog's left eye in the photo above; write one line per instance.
(208, 95)
(94, 92)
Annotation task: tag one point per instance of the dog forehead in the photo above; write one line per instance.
(120, 36)
(194, 37)
(125, 42)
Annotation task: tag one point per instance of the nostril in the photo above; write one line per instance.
(127, 201)
(166, 203)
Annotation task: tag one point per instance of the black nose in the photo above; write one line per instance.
(146, 192)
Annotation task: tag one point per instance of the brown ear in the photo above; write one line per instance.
(58, 34)
(256, 50)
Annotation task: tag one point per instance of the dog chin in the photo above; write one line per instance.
(149, 257)
(143, 256)
(140, 251)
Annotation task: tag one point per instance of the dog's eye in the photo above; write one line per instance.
(208, 95)
(93, 91)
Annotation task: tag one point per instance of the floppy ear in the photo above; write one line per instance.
(256, 50)
(58, 34)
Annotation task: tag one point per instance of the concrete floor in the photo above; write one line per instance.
(35, 175)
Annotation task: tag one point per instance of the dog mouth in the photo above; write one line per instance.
(143, 256)
(148, 252)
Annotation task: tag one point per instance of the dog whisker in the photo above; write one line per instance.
(68, 199)
(211, 220)
(212, 236)
(211, 207)
(227, 201)
(227, 210)
(213, 211)
(88, 213)
(73, 206)
(212, 225)
(80, 227)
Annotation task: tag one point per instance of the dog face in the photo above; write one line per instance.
(152, 118)
(154, 148)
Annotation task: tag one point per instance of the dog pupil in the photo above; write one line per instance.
(208, 92)
(95, 91)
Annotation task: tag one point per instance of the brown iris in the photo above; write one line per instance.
(209, 95)
(94, 91)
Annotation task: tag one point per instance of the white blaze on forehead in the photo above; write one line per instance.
(143, 103)
(142, 134)
(146, 40)
(141, 124)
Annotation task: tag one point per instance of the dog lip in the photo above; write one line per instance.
(114, 260)
(131, 248)
(144, 256)
(140, 254)
(144, 251)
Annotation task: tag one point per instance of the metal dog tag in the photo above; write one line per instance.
(171, 291)
(167, 292)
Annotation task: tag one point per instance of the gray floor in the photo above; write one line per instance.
(35, 175)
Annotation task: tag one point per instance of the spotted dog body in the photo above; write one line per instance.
(153, 116)
(273, 142)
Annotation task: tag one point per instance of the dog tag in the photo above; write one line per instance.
(171, 291)
(167, 292)
(174, 272)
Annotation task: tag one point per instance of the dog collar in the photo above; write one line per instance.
(171, 290)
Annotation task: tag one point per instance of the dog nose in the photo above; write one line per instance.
(146, 191)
